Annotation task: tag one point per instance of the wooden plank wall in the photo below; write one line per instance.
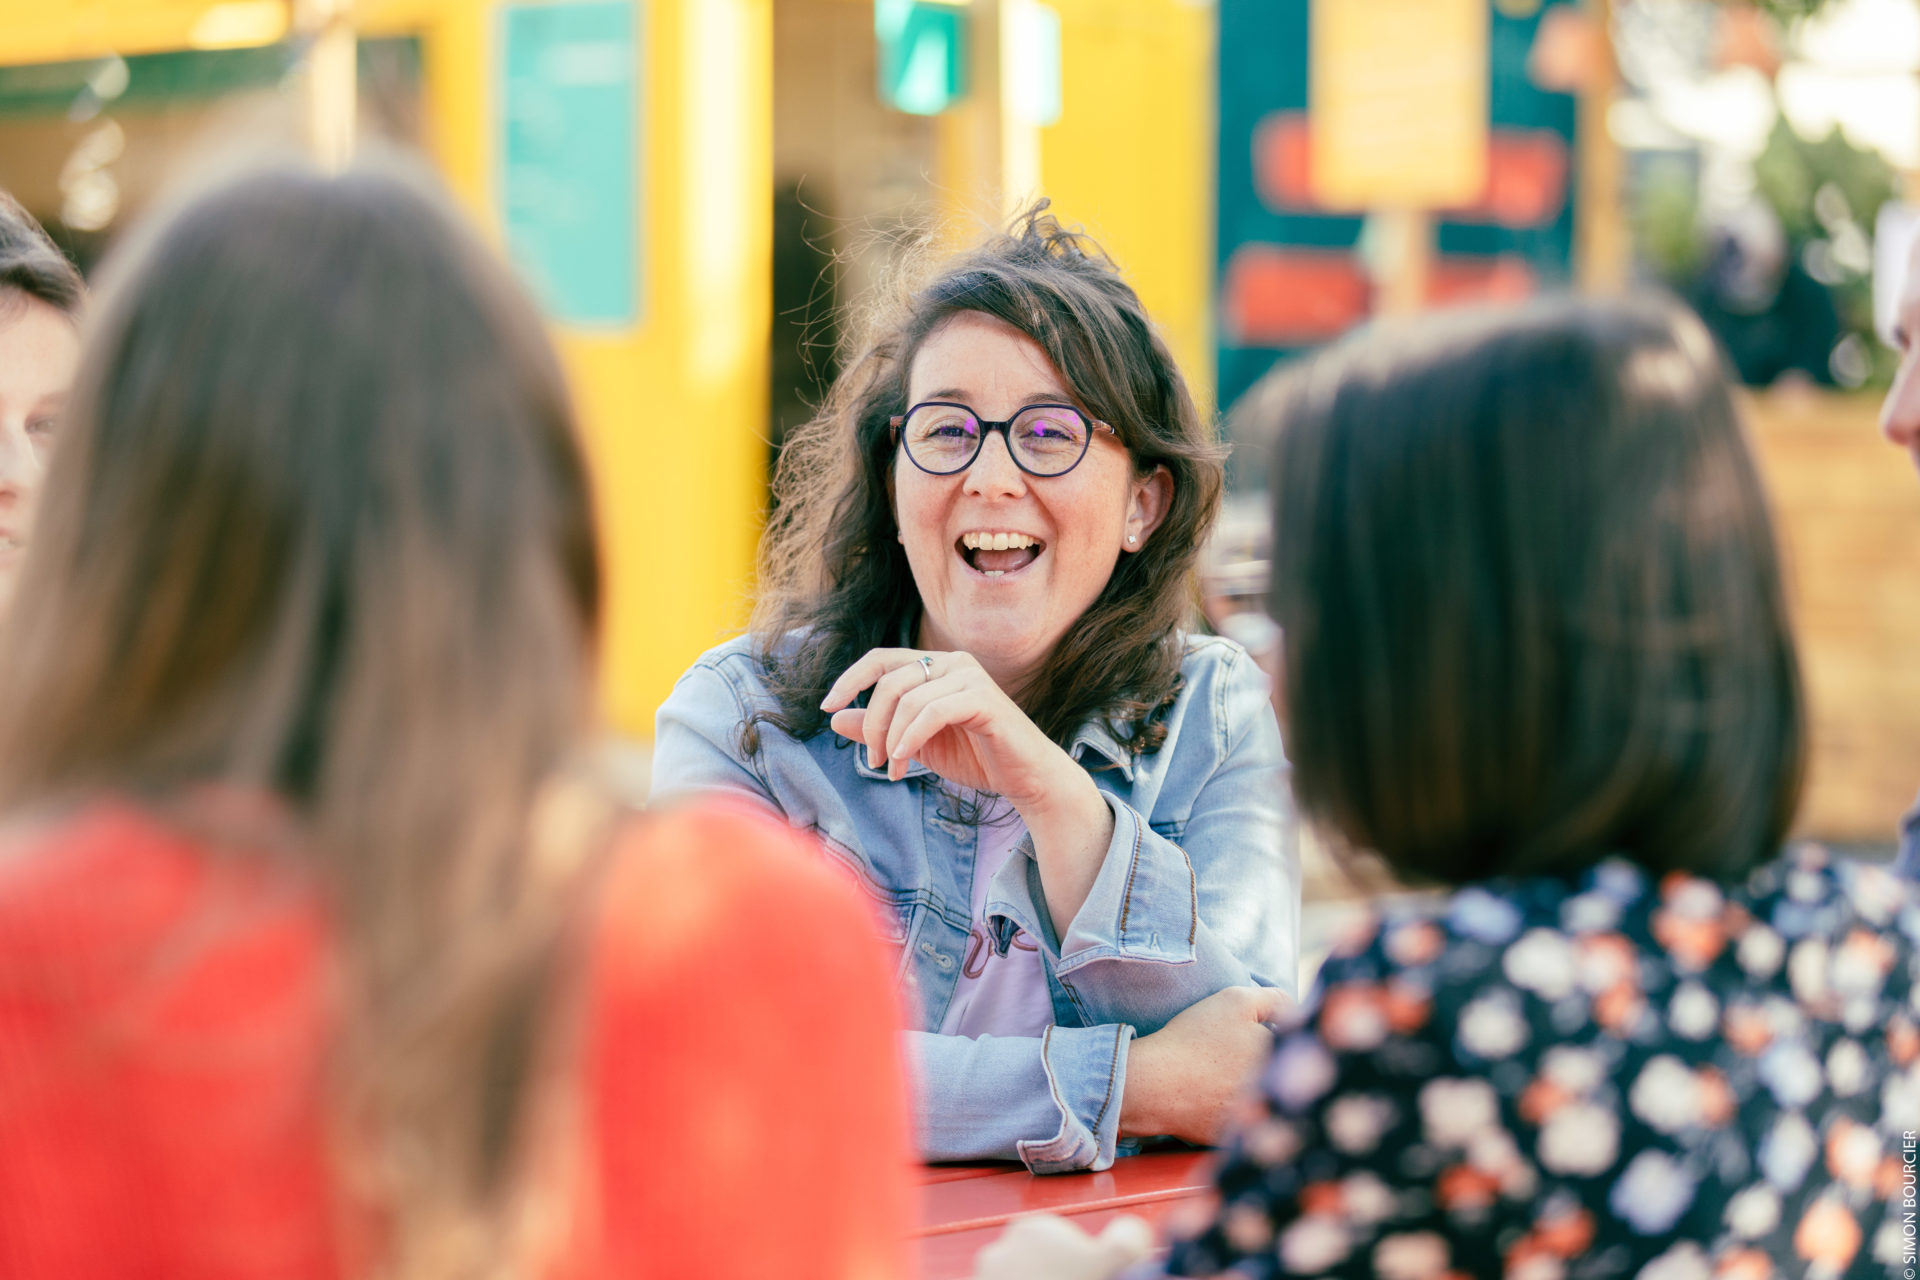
(1848, 506)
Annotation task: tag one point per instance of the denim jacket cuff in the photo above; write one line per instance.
(1087, 1072)
(1144, 904)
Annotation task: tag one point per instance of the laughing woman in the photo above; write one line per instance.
(968, 676)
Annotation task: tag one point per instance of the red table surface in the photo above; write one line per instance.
(965, 1207)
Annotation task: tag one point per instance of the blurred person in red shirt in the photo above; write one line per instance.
(321, 951)
(40, 296)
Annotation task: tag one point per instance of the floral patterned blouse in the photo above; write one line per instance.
(1584, 1079)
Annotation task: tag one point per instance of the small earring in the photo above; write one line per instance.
(1131, 539)
(900, 538)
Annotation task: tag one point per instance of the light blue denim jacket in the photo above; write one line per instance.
(1200, 890)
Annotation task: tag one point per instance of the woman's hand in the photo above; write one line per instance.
(1183, 1080)
(1041, 1246)
(945, 711)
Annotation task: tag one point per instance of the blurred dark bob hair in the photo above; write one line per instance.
(1530, 597)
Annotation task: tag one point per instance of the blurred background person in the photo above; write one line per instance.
(1774, 319)
(321, 952)
(1537, 656)
(40, 295)
(1900, 423)
(970, 672)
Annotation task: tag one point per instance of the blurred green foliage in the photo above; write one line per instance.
(1787, 10)
(1665, 218)
(1800, 179)
(1827, 193)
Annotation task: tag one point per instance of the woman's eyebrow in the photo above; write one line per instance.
(1049, 396)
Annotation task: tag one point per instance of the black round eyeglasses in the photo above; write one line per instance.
(943, 437)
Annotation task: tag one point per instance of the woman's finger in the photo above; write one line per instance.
(1270, 1004)
(848, 723)
(869, 667)
(959, 707)
(881, 704)
(912, 703)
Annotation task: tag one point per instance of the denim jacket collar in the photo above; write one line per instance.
(860, 766)
(1094, 737)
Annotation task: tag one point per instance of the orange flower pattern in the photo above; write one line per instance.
(1602, 1078)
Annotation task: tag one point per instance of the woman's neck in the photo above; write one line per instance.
(1014, 679)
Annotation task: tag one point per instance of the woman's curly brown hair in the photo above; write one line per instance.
(831, 568)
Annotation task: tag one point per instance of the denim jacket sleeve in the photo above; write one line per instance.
(1174, 917)
(696, 747)
(1052, 1102)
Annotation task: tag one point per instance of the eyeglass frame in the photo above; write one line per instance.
(1005, 428)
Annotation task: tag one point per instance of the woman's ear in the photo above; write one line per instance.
(1148, 500)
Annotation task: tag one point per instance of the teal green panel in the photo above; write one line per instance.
(922, 48)
(568, 188)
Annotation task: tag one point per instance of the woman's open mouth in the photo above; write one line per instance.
(998, 554)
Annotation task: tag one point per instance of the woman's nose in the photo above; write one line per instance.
(993, 469)
(19, 466)
(1900, 414)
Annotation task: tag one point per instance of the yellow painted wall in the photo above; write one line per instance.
(675, 410)
(43, 31)
(1131, 157)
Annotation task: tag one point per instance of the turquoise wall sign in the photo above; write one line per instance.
(568, 186)
(922, 47)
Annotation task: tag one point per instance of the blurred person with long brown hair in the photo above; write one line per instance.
(322, 952)
(1537, 659)
(972, 672)
(40, 297)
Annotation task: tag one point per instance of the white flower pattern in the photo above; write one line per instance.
(1611, 1077)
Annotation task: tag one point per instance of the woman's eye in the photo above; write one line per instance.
(1051, 429)
(43, 426)
(950, 428)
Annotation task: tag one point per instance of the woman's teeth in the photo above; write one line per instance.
(994, 555)
(996, 541)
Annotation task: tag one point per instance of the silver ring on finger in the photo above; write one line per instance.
(926, 667)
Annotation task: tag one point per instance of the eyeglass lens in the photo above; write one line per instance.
(1045, 439)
